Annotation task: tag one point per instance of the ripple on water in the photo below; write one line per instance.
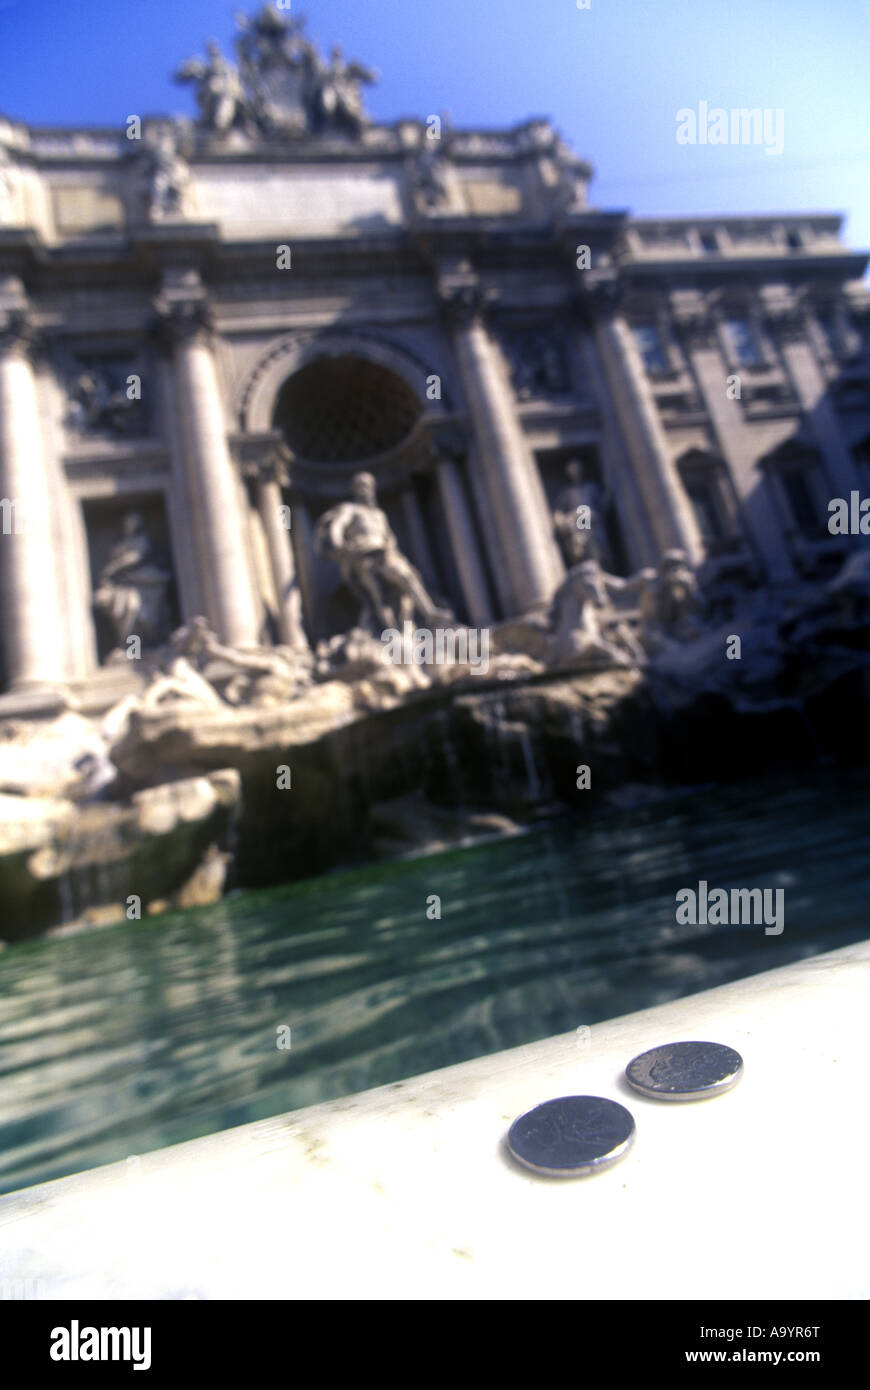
(150, 1033)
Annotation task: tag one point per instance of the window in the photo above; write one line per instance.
(743, 343)
(652, 349)
(701, 496)
(794, 241)
(709, 243)
(796, 472)
(827, 321)
(705, 483)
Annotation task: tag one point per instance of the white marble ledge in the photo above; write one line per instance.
(406, 1191)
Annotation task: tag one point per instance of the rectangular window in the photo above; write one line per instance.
(743, 342)
(827, 321)
(703, 502)
(652, 350)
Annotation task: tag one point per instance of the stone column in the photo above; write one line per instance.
(421, 551)
(736, 446)
(667, 506)
(463, 542)
(28, 586)
(215, 492)
(513, 485)
(268, 479)
(640, 550)
(812, 391)
(302, 540)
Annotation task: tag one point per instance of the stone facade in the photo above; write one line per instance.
(212, 326)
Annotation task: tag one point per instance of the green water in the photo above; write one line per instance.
(133, 1037)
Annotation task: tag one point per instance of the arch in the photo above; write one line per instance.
(259, 392)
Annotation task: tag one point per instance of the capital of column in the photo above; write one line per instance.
(180, 320)
(447, 441)
(17, 333)
(788, 323)
(269, 468)
(696, 329)
(463, 300)
(785, 312)
(599, 297)
(262, 458)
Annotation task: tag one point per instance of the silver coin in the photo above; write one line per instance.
(569, 1137)
(685, 1071)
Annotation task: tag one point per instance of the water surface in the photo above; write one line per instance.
(145, 1034)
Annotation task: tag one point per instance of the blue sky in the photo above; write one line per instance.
(611, 78)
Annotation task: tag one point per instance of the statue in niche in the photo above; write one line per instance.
(166, 179)
(587, 629)
(358, 537)
(578, 519)
(132, 588)
(220, 95)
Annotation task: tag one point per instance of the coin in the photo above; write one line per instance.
(685, 1071)
(571, 1136)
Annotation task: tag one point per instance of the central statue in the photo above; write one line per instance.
(282, 87)
(359, 538)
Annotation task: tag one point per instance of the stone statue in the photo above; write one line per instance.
(587, 629)
(578, 519)
(539, 368)
(275, 62)
(290, 90)
(219, 92)
(359, 538)
(97, 404)
(132, 587)
(201, 670)
(243, 675)
(338, 99)
(429, 177)
(167, 178)
(670, 601)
